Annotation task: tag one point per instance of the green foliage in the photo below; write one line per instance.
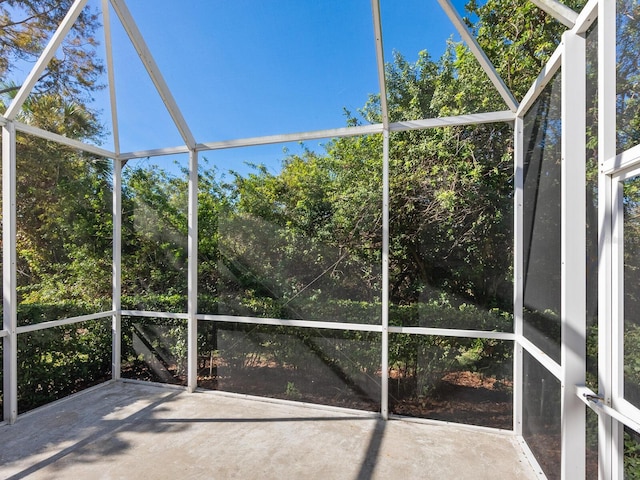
(292, 391)
(301, 243)
(56, 362)
(25, 28)
(628, 74)
(154, 349)
(631, 455)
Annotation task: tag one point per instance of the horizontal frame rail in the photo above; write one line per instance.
(441, 332)
(458, 120)
(550, 69)
(376, 128)
(594, 402)
(624, 160)
(151, 314)
(586, 17)
(64, 321)
(544, 359)
(291, 323)
(4, 333)
(559, 11)
(61, 139)
(453, 332)
(293, 137)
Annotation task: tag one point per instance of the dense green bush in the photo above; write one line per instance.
(56, 362)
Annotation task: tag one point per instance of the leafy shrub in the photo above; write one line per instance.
(57, 362)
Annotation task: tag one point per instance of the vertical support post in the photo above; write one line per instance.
(610, 444)
(384, 367)
(574, 254)
(518, 264)
(384, 112)
(116, 323)
(9, 257)
(192, 289)
(108, 45)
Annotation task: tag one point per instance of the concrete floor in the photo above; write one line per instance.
(124, 430)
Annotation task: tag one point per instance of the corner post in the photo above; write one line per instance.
(116, 323)
(573, 254)
(9, 258)
(518, 283)
(192, 289)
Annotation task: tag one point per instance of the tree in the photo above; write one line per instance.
(63, 196)
(63, 208)
(25, 27)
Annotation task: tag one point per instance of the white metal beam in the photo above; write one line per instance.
(62, 140)
(627, 159)
(62, 322)
(9, 255)
(594, 402)
(471, 119)
(588, 15)
(182, 149)
(477, 51)
(543, 79)
(557, 10)
(454, 332)
(377, 28)
(610, 445)
(384, 367)
(116, 279)
(293, 137)
(541, 357)
(518, 274)
(458, 120)
(573, 254)
(152, 69)
(192, 280)
(153, 314)
(108, 44)
(45, 58)
(358, 327)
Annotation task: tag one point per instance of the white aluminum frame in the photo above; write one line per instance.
(192, 280)
(610, 444)
(618, 401)
(518, 273)
(108, 42)
(477, 51)
(574, 253)
(116, 323)
(613, 168)
(559, 11)
(44, 59)
(9, 257)
(158, 80)
(63, 321)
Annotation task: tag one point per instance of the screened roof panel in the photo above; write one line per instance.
(251, 68)
(143, 120)
(422, 35)
(411, 26)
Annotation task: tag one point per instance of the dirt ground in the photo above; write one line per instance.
(461, 397)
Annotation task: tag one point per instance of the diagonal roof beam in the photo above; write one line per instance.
(154, 72)
(482, 58)
(45, 58)
(377, 27)
(108, 43)
(559, 11)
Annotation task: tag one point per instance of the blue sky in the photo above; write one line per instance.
(245, 68)
(248, 68)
